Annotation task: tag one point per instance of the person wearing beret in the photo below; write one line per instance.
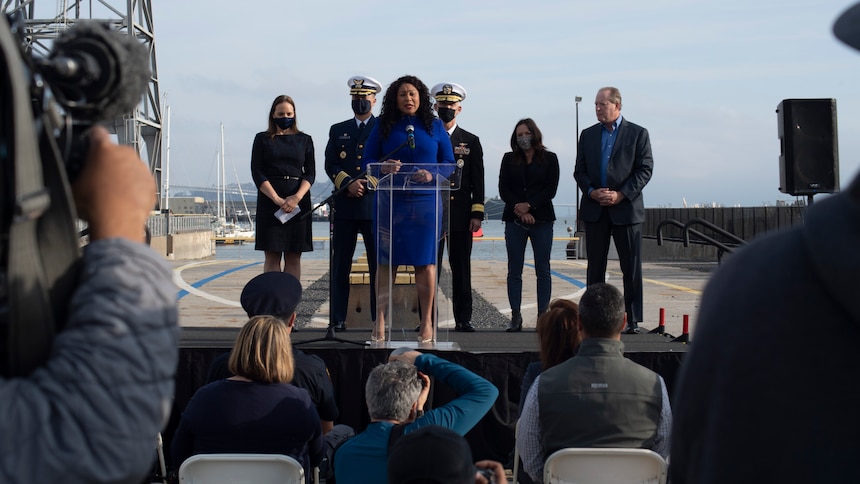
(352, 207)
(466, 201)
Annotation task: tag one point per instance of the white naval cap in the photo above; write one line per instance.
(448, 92)
(363, 85)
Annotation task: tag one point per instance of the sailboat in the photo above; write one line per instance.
(229, 232)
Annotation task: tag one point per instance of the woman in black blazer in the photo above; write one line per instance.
(528, 180)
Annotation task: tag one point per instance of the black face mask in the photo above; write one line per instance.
(446, 114)
(284, 123)
(361, 106)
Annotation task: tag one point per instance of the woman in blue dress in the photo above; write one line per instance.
(415, 155)
(283, 168)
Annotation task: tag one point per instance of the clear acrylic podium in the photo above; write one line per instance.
(411, 217)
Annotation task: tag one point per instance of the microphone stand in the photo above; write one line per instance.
(330, 334)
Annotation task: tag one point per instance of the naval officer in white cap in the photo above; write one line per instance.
(352, 208)
(466, 209)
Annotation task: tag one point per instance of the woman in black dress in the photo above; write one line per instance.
(283, 168)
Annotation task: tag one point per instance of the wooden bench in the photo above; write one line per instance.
(360, 273)
(404, 297)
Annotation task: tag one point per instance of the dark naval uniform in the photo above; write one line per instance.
(466, 203)
(343, 155)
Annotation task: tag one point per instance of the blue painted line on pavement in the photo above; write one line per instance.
(211, 278)
(575, 282)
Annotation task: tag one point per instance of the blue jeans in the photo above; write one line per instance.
(516, 237)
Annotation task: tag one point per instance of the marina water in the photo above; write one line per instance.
(489, 247)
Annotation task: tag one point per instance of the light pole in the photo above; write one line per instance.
(577, 100)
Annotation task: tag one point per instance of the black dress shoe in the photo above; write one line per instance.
(465, 327)
(632, 330)
(516, 323)
(339, 326)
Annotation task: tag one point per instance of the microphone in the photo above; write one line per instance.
(410, 136)
(97, 73)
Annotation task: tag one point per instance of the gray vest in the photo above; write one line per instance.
(599, 398)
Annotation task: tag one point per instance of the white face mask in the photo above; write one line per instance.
(524, 141)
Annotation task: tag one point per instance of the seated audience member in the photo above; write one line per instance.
(558, 339)
(597, 398)
(257, 410)
(392, 394)
(278, 294)
(436, 455)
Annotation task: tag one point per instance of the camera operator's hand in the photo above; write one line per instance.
(115, 191)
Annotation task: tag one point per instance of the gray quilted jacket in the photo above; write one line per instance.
(92, 412)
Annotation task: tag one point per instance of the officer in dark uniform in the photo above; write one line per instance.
(466, 209)
(352, 209)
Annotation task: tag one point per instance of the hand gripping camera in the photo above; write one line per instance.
(47, 106)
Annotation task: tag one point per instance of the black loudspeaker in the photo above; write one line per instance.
(809, 152)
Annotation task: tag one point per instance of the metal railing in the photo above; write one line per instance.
(686, 231)
(163, 224)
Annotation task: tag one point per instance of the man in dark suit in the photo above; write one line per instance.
(466, 208)
(352, 210)
(613, 165)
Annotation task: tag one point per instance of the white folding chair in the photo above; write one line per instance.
(241, 469)
(605, 466)
(162, 465)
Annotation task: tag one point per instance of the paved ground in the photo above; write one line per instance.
(209, 293)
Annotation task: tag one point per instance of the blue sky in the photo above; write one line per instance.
(704, 77)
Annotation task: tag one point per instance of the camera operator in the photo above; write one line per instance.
(92, 411)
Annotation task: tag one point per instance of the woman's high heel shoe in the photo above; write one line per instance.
(516, 323)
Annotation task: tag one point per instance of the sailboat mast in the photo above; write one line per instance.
(217, 189)
(222, 215)
(242, 194)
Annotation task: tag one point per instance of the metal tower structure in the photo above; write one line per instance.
(140, 128)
